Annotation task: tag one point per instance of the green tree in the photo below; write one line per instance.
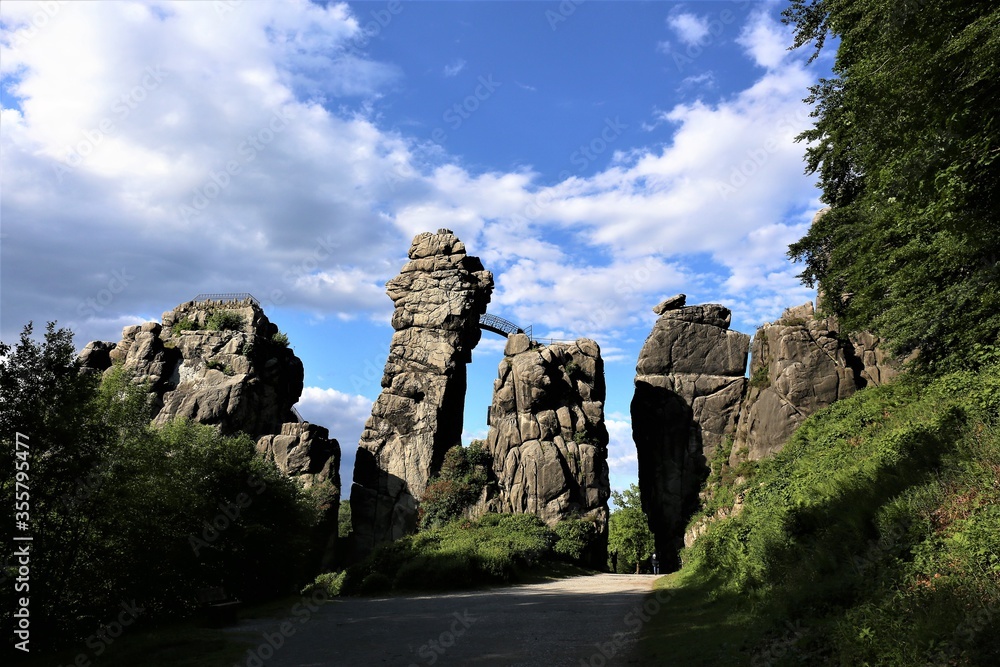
(462, 478)
(905, 146)
(628, 530)
(122, 511)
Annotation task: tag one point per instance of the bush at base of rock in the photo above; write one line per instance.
(464, 554)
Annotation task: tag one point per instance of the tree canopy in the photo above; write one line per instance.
(120, 510)
(905, 144)
(628, 530)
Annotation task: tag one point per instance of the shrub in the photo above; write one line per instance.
(330, 583)
(761, 378)
(280, 339)
(458, 485)
(224, 320)
(185, 324)
(574, 538)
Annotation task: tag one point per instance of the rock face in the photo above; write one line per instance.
(547, 435)
(801, 364)
(213, 362)
(439, 295)
(306, 453)
(688, 386)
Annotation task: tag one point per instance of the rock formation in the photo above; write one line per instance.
(800, 364)
(306, 453)
(688, 386)
(214, 362)
(547, 436)
(438, 295)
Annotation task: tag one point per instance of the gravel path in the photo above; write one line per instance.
(580, 621)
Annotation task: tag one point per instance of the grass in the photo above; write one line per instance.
(872, 538)
(172, 645)
(693, 625)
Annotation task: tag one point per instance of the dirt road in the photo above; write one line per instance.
(583, 621)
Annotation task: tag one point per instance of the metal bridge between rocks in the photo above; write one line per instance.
(500, 326)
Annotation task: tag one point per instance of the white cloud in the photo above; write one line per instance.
(452, 69)
(765, 40)
(344, 415)
(689, 28)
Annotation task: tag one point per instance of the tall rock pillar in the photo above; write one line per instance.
(547, 435)
(439, 295)
(688, 386)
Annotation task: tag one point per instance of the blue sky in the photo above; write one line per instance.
(598, 157)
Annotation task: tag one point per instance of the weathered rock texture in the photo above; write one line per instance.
(237, 379)
(688, 386)
(801, 364)
(306, 453)
(439, 295)
(547, 435)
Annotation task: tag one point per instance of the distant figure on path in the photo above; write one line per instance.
(656, 564)
(614, 562)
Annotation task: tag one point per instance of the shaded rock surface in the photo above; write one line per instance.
(238, 379)
(688, 387)
(547, 435)
(306, 453)
(800, 364)
(438, 296)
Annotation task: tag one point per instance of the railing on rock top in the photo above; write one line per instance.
(232, 296)
(500, 326)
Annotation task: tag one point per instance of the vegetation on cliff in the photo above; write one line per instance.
(873, 537)
(905, 146)
(124, 511)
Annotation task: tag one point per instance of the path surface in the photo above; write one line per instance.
(580, 621)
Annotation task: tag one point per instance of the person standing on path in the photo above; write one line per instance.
(655, 562)
(614, 562)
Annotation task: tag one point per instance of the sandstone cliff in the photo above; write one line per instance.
(800, 364)
(547, 436)
(688, 386)
(438, 295)
(214, 362)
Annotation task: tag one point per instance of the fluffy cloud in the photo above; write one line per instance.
(690, 29)
(344, 415)
(146, 138)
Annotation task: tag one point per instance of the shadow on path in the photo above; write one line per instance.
(591, 620)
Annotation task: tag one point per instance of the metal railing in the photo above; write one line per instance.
(499, 325)
(231, 296)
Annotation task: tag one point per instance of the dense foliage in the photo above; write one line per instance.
(460, 482)
(496, 548)
(121, 511)
(906, 147)
(875, 533)
(628, 531)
